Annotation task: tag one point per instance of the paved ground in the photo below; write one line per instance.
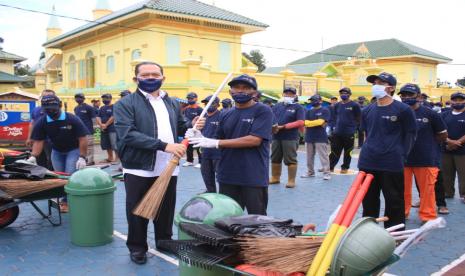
(31, 246)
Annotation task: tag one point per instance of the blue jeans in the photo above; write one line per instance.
(65, 161)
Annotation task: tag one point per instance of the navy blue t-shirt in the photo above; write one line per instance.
(209, 131)
(332, 119)
(390, 134)
(105, 113)
(347, 117)
(455, 129)
(445, 109)
(191, 112)
(86, 113)
(424, 152)
(36, 113)
(63, 132)
(287, 113)
(245, 166)
(317, 134)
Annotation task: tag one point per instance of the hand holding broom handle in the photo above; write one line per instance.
(150, 204)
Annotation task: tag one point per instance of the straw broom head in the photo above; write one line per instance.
(285, 255)
(149, 206)
(17, 188)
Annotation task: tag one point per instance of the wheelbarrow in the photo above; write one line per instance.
(9, 209)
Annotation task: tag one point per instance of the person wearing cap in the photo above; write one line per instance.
(332, 120)
(390, 129)
(124, 93)
(347, 113)
(424, 100)
(210, 157)
(45, 158)
(86, 113)
(453, 153)
(190, 112)
(105, 121)
(288, 118)
(96, 105)
(423, 160)
(268, 102)
(147, 124)
(67, 135)
(316, 138)
(446, 107)
(360, 135)
(243, 137)
(226, 104)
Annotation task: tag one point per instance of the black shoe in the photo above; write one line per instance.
(139, 257)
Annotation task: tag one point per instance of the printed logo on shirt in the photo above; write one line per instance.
(424, 120)
(83, 111)
(390, 118)
(68, 127)
(318, 114)
(215, 123)
(461, 121)
(291, 110)
(348, 108)
(248, 120)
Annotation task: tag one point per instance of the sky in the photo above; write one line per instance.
(296, 24)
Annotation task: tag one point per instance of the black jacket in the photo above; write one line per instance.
(137, 132)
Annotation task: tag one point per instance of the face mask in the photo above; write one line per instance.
(212, 109)
(106, 102)
(241, 97)
(225, 105)
(409, 101)
(344, 97)
(149, 85)
(315, 104)
(437, 108)
(52, 112)
(458, 106)
(191, 102)
(79, 100)
(288, 100)
(378, 91)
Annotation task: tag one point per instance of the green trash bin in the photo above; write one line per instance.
(205, 209)
(90, 199)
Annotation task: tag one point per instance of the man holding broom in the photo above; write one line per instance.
(244, 134)
(147, 123)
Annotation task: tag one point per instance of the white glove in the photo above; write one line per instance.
(193, 133)
(81, 163)
(32, 160)
(203, 142)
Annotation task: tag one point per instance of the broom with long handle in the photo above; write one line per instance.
(150, 204)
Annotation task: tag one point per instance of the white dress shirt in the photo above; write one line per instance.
(164, 133)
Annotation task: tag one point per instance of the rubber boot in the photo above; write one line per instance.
(291, 173)
(275, 173)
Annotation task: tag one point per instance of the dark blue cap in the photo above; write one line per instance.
(290, 89)
(107, 96)
(207, 99)
(226, 101)
(424, 95)
(361, 98)
(191, 95)
(315, 98)
(345, 89)
(410, 88)
(457, 95)
(79, 95)
(50, 101)
(385, 77)
(246, 79)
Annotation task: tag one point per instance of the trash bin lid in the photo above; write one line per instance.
(90, 181)
(208, 207)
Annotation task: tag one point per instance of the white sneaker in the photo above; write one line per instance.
(198, 166)
(326, 177)
(187, 164)
(308, 175)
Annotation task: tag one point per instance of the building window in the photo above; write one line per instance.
(430, 79)
(110, 64)
(90, 69)
(415, 74)
(173, 50)
(225, 57)
(136, 54)
(72, 72)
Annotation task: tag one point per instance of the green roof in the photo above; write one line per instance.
(5, 77)
(299, 69)
(9, 56)
(184, 7)
(376, 49)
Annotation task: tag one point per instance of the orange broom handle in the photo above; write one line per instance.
(352, 210)
(350, 195)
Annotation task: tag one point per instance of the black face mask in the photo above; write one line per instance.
(52, 112)
(79, 100)
(106, 102)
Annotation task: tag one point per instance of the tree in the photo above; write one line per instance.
(461, 82)
(42, 55)
(22, 70)
(257, 58)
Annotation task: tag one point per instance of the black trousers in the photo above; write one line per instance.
(361, 137)
(392, 186)
(190, 154)
(136, 187)
(339, 143)
(438, 190)
(208, 170)
(254, 199)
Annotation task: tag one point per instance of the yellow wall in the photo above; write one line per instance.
(7, 66)
(8, 87)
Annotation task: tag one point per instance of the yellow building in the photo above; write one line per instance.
(8, 80)
(198, 44)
